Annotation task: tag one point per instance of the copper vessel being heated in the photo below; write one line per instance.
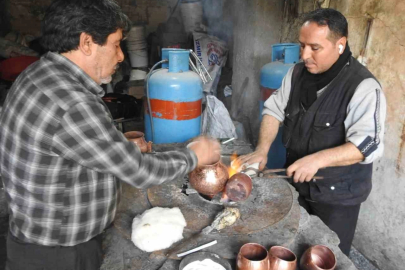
(318, 258)
(209, 179)
(282, 258)
(138, 138)
(253, 257)
(238, 187)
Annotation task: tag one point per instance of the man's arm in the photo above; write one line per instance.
(86, 136)
(273, 115)
(268, 132)
(305, 168)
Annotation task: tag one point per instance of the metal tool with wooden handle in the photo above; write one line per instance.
(272, 172)
(252, 172)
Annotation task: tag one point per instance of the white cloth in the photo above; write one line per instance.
(158, 228)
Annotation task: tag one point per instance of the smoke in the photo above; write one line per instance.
(219, 18)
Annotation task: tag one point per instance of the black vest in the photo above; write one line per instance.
(322, 127)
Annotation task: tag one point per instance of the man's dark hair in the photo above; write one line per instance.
(65, 20)
(332, 18)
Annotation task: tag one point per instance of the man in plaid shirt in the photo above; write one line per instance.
(60, 154)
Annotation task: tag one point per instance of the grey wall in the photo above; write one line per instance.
(380, 233)
(257, 25)
(26, 16)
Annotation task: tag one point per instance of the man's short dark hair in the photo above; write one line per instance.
(65, 20)
(332, 18)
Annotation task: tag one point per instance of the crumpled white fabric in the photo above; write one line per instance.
(158, 228)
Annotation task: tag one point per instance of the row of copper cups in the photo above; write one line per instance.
(253, 256)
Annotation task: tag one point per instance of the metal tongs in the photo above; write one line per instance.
(253, 171)
(272, 174)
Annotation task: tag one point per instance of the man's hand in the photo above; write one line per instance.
(268, 132)
(207, 150)
(258, 156)
(304, 169)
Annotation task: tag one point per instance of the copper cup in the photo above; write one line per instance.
(318, 258)
(282, 258)
(138, 138)
(253, 256)
(238, 187)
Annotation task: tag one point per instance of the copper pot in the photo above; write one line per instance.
(282, 258)
(318, 258)
(253, 257)
(138, 138)
(209, 179)
(238, 187)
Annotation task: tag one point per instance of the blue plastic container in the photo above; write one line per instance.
(175, 95)
(283, 57)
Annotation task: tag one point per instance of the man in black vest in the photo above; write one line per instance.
(333, 112)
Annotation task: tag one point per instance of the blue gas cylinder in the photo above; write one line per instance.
(283, 57)
(175, 95)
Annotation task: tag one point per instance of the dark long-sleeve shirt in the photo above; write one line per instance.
(61, 156)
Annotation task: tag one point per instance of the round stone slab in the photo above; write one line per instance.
(270, 201)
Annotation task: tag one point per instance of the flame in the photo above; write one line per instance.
(232, 169)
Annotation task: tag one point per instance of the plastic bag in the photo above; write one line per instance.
(213, 53)
(216, 121)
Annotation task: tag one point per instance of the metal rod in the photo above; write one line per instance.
(202, 76)
(197, 248)
(289, 177)
(194, 68)
(227, 141)
(273, 171)
(201, 63)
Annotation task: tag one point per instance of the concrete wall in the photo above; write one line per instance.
(380, 233)
(25, 16)
(256, 25)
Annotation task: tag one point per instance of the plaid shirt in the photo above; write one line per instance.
(60, 156)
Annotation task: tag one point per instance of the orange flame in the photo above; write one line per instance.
(232, 170)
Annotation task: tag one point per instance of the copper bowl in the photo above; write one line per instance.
(238, 187)
(138, 138)
(318, 258)
(282, 258)
(209, 179)
(253, 256)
